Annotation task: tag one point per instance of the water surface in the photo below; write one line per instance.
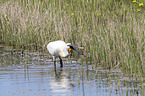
(32, 74)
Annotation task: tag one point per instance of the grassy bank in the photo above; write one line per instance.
(112, 31)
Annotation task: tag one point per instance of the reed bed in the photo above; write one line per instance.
(112, 31)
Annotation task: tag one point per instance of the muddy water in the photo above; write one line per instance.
(31, 74)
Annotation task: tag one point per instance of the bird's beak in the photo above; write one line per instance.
(72, 47)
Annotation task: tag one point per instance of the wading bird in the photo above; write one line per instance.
(61, 49)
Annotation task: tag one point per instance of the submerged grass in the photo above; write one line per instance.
(112, 31)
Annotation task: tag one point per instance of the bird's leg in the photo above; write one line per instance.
(54, 59)
(55, 67)
(61, 64)
(55, 64)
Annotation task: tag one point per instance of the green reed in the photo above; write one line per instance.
(112, 32)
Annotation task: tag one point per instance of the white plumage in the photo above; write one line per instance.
(58, 48)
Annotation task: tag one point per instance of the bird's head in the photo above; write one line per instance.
(71, 47)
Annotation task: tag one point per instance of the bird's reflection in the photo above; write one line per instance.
(61, 81)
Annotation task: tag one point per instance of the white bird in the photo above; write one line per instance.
(61, 49)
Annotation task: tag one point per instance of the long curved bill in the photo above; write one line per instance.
(72, 47)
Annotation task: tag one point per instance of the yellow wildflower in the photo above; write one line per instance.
(98, 14)
(72, 13)
(7, 27)
(134, 1)
(141, 4)
(138, 9)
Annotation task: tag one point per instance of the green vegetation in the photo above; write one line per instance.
(112, 31)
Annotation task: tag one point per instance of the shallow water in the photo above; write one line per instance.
(31, 74)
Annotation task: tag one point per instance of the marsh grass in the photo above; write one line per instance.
(112, 33)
